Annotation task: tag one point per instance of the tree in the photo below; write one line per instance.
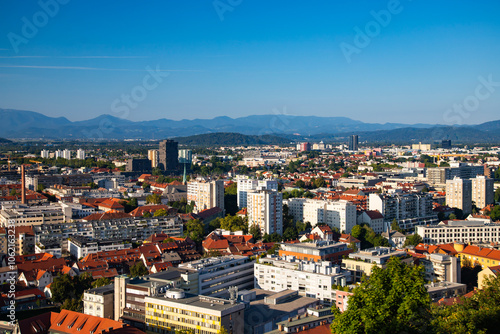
(195, 230)
(138, 269)
(413, 240)
(290, 233)
(320, 182)
(234, 223)
(153, 199)
(160, 213)
(495, 213)
(72, 304)
(497, 195)
(254, 230)
(223, 330)
(452, 216)
(392, 300)
(101, 282)
(13, 192)
(395, 226)
(146, 214)
(300, 184)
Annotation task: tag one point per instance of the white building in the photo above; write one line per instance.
(59, 154)
(459, 194)
(217, 274)
(66, 154)
(336, 214)
(462, 231)
(374, 219)
(246, 184)
(265, 209)
(482, 191)
(206, 194)
(44, 154)
(309, 278)
(80, 246)
(99, 302)
(80, 154)
(441, 268)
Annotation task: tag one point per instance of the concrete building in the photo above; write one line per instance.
(336, 214)
(421, 147)
(353, 143)
(487, 273)
(459, 194)
(81, 246)
(33, 215)
(441, 268)
(374, 219)
(217, 274)
(168, 156)
(439, 175)
(409, 209)
(80, 154)
(310, 279)
(246, 184)
(395, 238)
(153, 156)
(441, 290)
(199, 314)
(66, 154)
(482, 191)
(316, 251)
(265, 209)
(138, 165)
(462, 231)
(206, 194)
(99, 302)
(361, 262)
(44, 154)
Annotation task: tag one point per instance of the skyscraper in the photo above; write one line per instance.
(168, 156)
(353, 143)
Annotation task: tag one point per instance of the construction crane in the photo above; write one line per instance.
(38, 164)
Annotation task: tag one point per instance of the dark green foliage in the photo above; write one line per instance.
(101, 282)
(413, 240)
(228, 138)
(69, 290)
(195, 230)
(138, 269)
(231, 199)
(392, 300)
(254, 230)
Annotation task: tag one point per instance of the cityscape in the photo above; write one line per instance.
(249, 167)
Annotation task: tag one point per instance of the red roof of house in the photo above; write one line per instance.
(78, 323)
(139, 211)
(107, 273)
(374, 214)
(111, 203)
(482, 252)
(107, 216)
(209, 212)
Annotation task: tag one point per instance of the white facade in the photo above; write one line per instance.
(246, 184)
(459, 194)
(44, 154)
(441, 268)
(340, 214)
(310, 279)
(206, 194)
(99, 302)
(460, 231)
(482, 191)
(80, 154)
(265, 209)
(66, 154)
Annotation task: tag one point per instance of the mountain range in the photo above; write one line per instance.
(29, 124)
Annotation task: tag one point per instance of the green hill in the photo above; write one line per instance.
(230, 139)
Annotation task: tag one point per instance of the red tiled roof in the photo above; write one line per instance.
(374, 214)
(107, 216)
(78, 323)
(139, 211)
(482, 252)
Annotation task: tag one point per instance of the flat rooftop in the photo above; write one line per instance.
(213, 303)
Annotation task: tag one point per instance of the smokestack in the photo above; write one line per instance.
(23, 185)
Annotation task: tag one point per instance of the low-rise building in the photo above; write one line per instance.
(316, 251)
(80, 247)
(445, 290)
(99, 302)
(487, 273)
(441, 268)
(462, 231)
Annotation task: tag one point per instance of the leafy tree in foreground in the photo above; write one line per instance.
(138, 269)
(391, 300)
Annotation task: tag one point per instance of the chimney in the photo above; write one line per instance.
(23, 185)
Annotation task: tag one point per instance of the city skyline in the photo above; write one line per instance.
(385, 61)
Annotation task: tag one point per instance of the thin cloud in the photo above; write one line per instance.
(45, 67)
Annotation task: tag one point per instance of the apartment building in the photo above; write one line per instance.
(459, 194)
(197, 314)
(316, 251)
(336, 214)
(440, 175)
(265, 209)
(409, 209)
(361, 262)
(206, 194)
(81, 246)
(310, 279)
(482, 191)
(246, 184)
(153, 156)
(463, 231)
(441, 268)
(31, 215)
(99, 302)
(217, 274)
(168, 156)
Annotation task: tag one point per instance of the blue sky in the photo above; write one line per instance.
(238, 58)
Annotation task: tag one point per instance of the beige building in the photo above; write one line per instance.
(33, 215)
(265, 209)
(421, 147)
(488, 272)
(206, 194)
(99, 302)
(441, 268)
(482, 191)
(459, 194)
(153, 156)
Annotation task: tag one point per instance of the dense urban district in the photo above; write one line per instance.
(128, 237)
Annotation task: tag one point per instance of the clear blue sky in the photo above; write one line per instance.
(261, 56)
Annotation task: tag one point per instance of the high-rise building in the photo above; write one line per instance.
(265, 209)
(446, 143)
(459, 194)
(168, 156)
(44, 154)
(246, 184)
(482, 191)
(67, 154)
(59, 154)
(80, 154)
(153, 156)
(138, 165)
(353, 143)
(456, 169)
(206, 194)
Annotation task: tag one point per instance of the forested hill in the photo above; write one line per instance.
(229, 138)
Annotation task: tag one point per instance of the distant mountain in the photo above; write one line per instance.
(228, 138)
(29, 124)
(5, 141)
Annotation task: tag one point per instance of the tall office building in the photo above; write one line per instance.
(353, 143)
(265, 209)
(246, 184)
(482, 191)
(168, 156)
(459, 194)
(153, 156)
(206, 194)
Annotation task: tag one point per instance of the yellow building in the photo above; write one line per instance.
(201, 314)
(490, 272)
(485, 257)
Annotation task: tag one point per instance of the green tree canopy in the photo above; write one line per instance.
(413, 240)
(138, 269)
(254, 230)
(195, 230)
(392, 300)
(101, 282)
(234, 223)
(153, 199)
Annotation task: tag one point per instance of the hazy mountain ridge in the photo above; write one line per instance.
(29, 124)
